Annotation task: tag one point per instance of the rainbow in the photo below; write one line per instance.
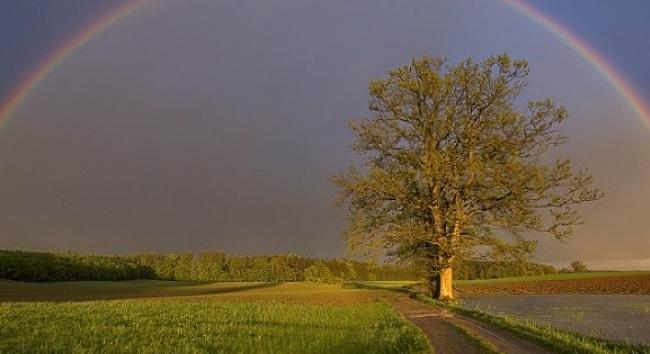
(596, 60)
(55, 58)
(581, 47)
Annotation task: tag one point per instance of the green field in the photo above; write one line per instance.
(142, 289)
(152, 326)
(193, 318)
(151, 316)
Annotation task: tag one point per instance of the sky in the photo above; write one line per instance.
(205, 125)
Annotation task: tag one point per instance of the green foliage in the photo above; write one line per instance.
(154, 326)
(216, 266)
(454, 170)
(208, 266)
(468, 269)
(37, 266)
(320, 273)
(578, 266)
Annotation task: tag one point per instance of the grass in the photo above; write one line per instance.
(106, 290)
(247, 291)
(178, 317)
(199, 318)
(386, 284)
(480, 343)
(557, 276)
(152, 326)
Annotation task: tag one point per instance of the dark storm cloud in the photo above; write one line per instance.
(215, 125)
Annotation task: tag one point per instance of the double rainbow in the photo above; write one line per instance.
(627, 91)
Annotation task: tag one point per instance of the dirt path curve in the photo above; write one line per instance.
(442, 328)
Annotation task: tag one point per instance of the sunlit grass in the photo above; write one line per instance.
(247, 291)
(175, 326)
(180, 317)
(100, 290)
(387, 284)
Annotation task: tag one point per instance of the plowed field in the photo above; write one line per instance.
(630, 284)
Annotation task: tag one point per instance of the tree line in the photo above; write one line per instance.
(217, 266)
(41, 266)
(467, 270)
(207, 266)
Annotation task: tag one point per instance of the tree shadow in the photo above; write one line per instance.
(234, 289)
(412, 290)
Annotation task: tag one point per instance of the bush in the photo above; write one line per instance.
(578, 266)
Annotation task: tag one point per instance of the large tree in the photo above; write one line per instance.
(452, 169)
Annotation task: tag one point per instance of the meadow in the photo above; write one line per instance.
(154, 316)
(233, 318)
(153, 326)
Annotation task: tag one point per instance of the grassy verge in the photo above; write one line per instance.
(558, 340)
(484, 346)
(172, 326)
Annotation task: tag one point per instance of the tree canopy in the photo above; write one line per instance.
(452, 168)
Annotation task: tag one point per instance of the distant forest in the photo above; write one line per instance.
(217, 266)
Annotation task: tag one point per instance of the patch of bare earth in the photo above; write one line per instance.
(632, 284)
(442, 329)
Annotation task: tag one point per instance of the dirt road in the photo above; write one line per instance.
(450, 333)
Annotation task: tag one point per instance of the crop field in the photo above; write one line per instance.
(582, 283)
(218, 317)
(557, 276)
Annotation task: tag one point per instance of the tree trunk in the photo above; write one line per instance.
(444, 290)
(433, 283)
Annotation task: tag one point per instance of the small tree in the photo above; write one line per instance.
(578, 266)
(320, 273)
(453, 170)
(350, 273)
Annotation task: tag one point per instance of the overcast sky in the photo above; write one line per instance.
(214, 125)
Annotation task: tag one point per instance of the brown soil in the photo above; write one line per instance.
(441, 328)
(633, 284)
